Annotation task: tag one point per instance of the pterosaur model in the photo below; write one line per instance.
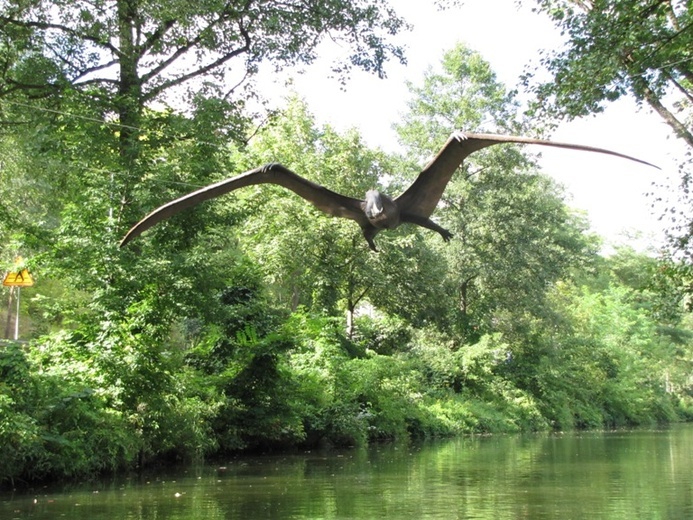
(377, 211)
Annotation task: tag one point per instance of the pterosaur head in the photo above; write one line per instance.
(381, 211)
(374, 207)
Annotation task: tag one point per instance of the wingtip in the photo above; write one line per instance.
(132, 233)
(635, 159)
(124, 242)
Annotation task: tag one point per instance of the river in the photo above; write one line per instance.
(620, 475)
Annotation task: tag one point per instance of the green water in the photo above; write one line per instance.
(644, 474)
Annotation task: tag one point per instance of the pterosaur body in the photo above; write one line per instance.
(377, 211)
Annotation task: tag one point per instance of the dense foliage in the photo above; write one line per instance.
(224, 329)
(636, 48)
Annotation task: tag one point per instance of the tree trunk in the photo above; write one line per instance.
(678, 127)
(129, 99)
(350, 320)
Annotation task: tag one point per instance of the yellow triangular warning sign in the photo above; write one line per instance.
(20, 279)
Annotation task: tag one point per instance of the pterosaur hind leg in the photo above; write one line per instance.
(369, 234)
(428, 224)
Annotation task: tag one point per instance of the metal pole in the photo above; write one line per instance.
(9, 313)
(16, 321)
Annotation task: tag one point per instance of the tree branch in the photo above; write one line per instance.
(62, 28)
(678, 127)
(197, 72)
(76, 80)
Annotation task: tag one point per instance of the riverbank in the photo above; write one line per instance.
(72, 412)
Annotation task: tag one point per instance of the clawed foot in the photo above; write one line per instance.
(447, 236)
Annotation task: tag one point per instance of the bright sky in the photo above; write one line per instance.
(611, 191)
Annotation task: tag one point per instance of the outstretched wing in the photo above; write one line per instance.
(422, 197)
(328, 201)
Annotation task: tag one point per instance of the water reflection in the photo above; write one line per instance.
(614, 475)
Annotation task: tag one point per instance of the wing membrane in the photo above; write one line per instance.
(326, 200)
(422, 197)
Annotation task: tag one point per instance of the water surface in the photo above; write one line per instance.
(642, 474)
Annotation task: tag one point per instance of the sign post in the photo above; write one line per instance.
(19, 278)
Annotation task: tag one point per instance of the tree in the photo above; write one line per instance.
(87, 88)
(335, 271)
(616, 48)
(481, 103)
(649, 285)
(609, 361)
(514, 235)
(121, 56)
(121, 105)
